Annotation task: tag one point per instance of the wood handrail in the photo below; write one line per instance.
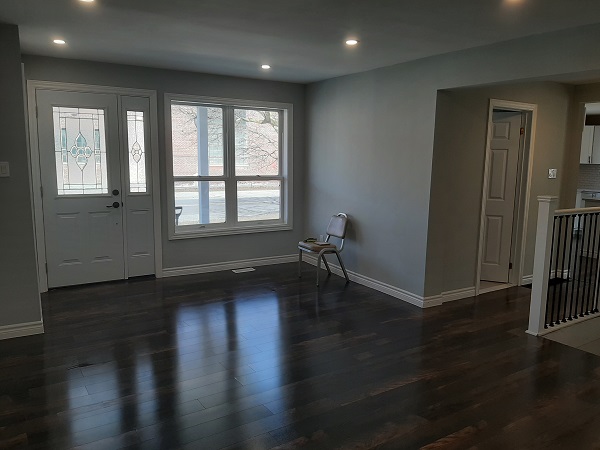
(564, 212)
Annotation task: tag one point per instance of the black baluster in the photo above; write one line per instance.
(569, 271)
(573, 302)
(579, 256)
(594, 305)
(562, 270)
(555, 302)
(584, 264)
(588, 224)
(592, 273)
(548, 322)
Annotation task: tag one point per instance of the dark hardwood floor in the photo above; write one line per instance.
(260, 360)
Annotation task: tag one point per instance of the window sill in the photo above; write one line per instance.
(211, 232)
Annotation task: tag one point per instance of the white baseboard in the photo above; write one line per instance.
(228, 265)
(396, 292)
(496, 287)
(458, 294)
(21, 329)
(409, 297)
(528, 279)
(449, 296)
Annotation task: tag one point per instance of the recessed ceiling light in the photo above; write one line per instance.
(87, 1)
(265, 67)
(351, 42)
(59, 41)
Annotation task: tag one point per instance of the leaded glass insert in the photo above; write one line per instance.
(80, 151)
(137, 151)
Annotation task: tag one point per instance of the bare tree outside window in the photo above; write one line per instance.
(185, 140)
(256, 142)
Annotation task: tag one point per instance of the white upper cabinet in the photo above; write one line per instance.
(590, 153)
(596, 145)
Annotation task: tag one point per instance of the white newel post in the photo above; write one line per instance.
(541, 264)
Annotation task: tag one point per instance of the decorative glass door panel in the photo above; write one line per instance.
(136, 147)
(81, 180)
(80, 151)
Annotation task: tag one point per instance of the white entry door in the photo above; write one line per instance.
(500, 195)
(93, 171)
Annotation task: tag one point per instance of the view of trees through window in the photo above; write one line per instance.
(200, 151)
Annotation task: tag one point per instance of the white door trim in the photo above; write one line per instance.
(512, 106)
(35, 169)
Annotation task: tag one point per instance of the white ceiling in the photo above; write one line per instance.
(303, 40)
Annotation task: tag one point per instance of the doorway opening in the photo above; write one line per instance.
(505, 195)
(94, 164)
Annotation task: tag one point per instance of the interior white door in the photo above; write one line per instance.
(500, 195)
(81, 182)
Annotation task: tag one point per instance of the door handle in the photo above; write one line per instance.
(114, 205)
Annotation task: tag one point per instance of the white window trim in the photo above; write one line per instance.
(286, 175)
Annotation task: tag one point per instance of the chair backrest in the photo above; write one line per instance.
(337, 225)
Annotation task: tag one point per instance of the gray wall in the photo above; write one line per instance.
(19, 298)
(458, 167)
(370, 144)
(186, 252)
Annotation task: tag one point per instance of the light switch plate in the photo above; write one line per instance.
(4, 169)
(551, 173)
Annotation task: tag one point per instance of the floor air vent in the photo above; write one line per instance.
(245, 269)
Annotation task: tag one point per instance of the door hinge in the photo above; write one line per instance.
(510, 265)
(522, 131)
(37, 114)
(46, 264)
(42, 191)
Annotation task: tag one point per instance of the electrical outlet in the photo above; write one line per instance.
(551, 173)
(4, 169)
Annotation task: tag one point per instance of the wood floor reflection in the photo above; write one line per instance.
(260, 360)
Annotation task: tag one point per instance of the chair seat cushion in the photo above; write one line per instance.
(315, 246)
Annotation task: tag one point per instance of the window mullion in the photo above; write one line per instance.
(199, 178)
(283, 164)
(230, 183)
(281, 143)
(259, 178)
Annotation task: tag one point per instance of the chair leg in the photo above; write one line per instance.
(299, 263)
(343, 268)
(326, 265)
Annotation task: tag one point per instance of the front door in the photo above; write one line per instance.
(93, 174)
(500, 195)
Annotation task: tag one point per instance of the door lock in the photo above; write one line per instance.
(115, 192)
(114, 205)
